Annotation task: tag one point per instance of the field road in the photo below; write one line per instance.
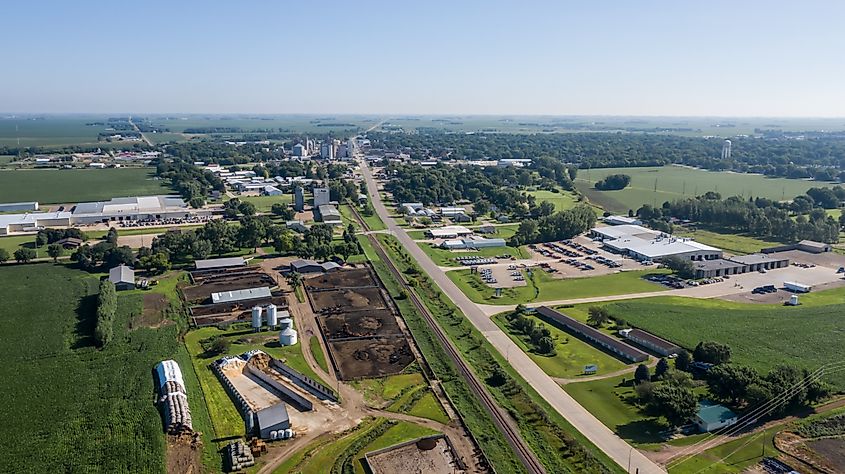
(614, 447)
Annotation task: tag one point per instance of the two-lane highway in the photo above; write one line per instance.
(613, 446)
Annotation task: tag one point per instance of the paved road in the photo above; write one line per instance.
(616, 448)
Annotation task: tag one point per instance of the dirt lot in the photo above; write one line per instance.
(359, 324)
(828, 259)
(207, 315)
(832, 450)
(375, 357)
(352, 278)
(153, 314)
(226, 282)
(420, 457)
(347, 300)
(183, 455)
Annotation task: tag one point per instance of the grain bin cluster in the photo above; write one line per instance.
(173, 398)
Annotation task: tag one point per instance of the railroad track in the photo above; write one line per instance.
(500, 418)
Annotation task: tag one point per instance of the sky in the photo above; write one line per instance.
(676, 58)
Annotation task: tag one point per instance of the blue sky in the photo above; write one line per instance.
(725, 58)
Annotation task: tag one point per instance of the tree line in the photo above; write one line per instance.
(557, 226)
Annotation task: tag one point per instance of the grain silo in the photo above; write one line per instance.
(256, 318)
(272, 319)
(287, 336)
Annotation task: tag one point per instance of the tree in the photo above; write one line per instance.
(251, 233)
(662, 368)
(24, 255)
(4, 255)
(294, 279)
(712, 352)
(641, 374)
(216, 345)
(683, 360)
(613, 182)
(683, 267)
(730, 382)
(55, 251)
(598, 316)
(677, 404)
(282, 211)
(111, 236)
(247, 209)
(546, 345)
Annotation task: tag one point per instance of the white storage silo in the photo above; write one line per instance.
(256, 318)
(272, 319)
(287, 336)
(285, 323)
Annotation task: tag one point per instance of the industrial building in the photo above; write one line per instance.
(474, 244)
(717, 268)
(712, 416)
(135, 209)
(321, 197)
(760, 261)
(648, 245)
(19, 206)
(123, 277)
(328, 214)
(650, 341)
(241, 295)
(449, 232)
(298, 199)
(808, 246)
(624, 351)
(31, 222)
(621, 220)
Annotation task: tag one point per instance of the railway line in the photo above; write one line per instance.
(501, 419)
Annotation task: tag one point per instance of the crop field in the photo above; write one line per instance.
(49, 131)
(760, 335)
(79, 408)
(655, 185)
(542, 287)
(572, 354)
(79, 185)
(287, 123)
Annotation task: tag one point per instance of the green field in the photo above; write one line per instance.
(572, 354)
(543, 287)
(49, 131)
(265, 203)
(760, 335)
(563, 200)
(317, 353)
(733, 243)
(677, 182)
(445, 258)
(81, 409)
(78, 185)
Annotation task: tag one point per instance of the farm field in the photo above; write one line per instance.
(49, 131)
(78, 185)
(445, 258)
(542, 287)
(572, 354)
(677, 182)
(275, 123)
(265, 203)
(760, 335)
(86, 409)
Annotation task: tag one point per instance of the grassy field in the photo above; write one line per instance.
(760, 335)
(543, 287)
(265, 203)
(317, 352)
(563, 200)
(733, 243)
(348, 449)
(676, 182)
(78, 185)
(224, 416)
(445, 258)
(49, 131)
(80, 408)
(732, 457)
(572, 354)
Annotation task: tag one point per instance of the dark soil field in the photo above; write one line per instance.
(359, 324)
(347, 300)
(832, 450)
(353, 278)
(202, 292)
(375, 357)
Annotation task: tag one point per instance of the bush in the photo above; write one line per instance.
(613, 182)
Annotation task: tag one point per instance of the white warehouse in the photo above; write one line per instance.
(646, 244)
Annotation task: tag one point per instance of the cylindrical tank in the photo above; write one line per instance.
(272, 320)
(256, 318)
(285, 323)
(287, 336)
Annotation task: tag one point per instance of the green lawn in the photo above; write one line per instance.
(225, 417)
(760, 335)
(572, 353)
(677, 182)
(445, 258)
(265, 203)
(733, 243)
(563, 200)
(78, 185)
(317, 352)
(543, 287)
(732, 457)
(429, 407)
(14, 242)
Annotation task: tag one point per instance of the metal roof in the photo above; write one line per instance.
(755, 258)
(710, 412)
(272, 416)
(640, 335)
(716, 264)
(240, 295)
(615, 345)
(219, 263)
(122, 274)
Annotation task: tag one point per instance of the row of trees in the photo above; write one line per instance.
(613, 182)
(739, 386)
(536, 333)
(558, 226)
(106, 309)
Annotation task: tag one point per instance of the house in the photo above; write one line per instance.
(123, 277)
(712, 416)
(69, 243)
(486, 229)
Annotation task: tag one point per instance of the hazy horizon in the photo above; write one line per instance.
(649, 59)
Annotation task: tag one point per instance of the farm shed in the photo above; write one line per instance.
(624, 351)
(712, 416)
(214, 263)
(241, 295)
(652, 342)
(311, 266)
(123, 277)
(813, 247)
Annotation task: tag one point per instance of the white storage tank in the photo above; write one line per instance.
(285, 323)
(256, 318)
(793, 300)
(287, 336)
(272, 319)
